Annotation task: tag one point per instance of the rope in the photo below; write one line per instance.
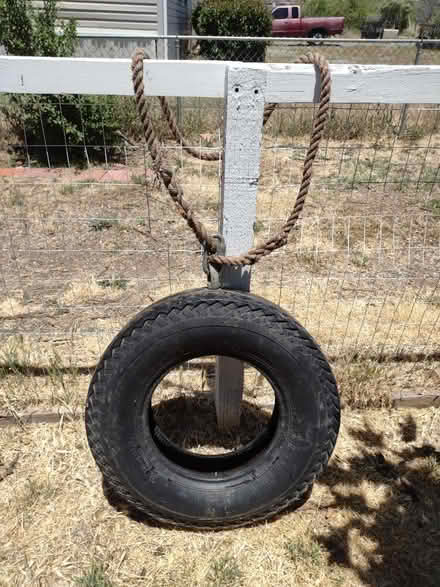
(179, 138)
(175, 190)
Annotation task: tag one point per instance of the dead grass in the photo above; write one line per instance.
(372, 518)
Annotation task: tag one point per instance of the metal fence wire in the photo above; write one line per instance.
(90, 237)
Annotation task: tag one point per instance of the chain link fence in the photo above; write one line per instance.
(286, 50)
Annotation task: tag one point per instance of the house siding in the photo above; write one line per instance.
(112, 14)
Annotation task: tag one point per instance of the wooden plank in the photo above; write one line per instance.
(36, 417)
(415, 400)
(244, 110)
(106, 76)
(387, 84)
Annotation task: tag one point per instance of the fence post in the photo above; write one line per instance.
(244, 107)
(404, 112)
(179, 99)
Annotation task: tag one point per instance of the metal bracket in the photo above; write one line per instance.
(213, 272)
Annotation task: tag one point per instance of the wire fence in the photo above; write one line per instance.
(90, 237)
(286, 50)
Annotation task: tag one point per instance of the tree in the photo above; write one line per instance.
(428, 11)
(396, 14)
(48, 121)
(354, 11)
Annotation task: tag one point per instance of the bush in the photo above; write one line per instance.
(354, 11)
(232, 18)
(46, 124)
(396, 14)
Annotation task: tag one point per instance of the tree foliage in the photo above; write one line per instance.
(48, 123)
(232, 18)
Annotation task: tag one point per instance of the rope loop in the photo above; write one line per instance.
(209, 242)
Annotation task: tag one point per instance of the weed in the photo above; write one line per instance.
(98, 224)
(358, 384)
(432, 465)
(313, 262)
(138, 179)
(62, 381)
(67, 189)
(210, 171)
(70, 188)
(258, 226)
(95, 576)
(359, 259)
(300, 550)
(433, 206)
(14, 357)
(34, 490)
(114, 282)
(225, 571)
(16, 198)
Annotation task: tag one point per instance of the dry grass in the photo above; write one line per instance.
(372, 519)
(360, 273)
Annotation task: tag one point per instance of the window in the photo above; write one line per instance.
(295, 12)
(280, 13)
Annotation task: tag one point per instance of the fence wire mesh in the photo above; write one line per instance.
(90, 237)
(286, 50)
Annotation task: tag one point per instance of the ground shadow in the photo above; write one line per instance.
(405, 528)
(190, 422)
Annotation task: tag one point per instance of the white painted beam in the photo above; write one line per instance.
(244, 108)
(387, 84)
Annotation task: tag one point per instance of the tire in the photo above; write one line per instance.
(195, 491)
(318, 37)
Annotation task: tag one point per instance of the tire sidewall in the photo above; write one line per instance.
(275, 345)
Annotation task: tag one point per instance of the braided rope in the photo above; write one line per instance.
(179, 138)
(167, 176)
(175, 190)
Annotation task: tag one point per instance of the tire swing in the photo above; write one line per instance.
(271, 473)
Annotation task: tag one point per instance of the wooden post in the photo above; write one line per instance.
(244, 108)
(404, 111)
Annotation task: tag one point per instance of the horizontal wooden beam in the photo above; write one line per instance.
(415, 400)
(398, 400)
(386, 84)
(36, 417)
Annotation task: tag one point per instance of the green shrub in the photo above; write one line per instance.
(232, 18)
(396, 14)
(354, 11)
(53, 128)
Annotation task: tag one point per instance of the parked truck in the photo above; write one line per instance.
(288, 22)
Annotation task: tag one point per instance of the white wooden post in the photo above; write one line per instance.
(244, 108)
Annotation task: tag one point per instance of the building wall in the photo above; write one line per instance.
(116, 46)
(113, 14)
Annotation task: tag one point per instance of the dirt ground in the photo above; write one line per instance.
(80, 256)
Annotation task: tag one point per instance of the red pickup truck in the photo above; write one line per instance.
(288, 22)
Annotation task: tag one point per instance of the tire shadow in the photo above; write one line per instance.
(190, 422)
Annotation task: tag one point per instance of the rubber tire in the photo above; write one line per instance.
(318, 40)
(204, 322)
